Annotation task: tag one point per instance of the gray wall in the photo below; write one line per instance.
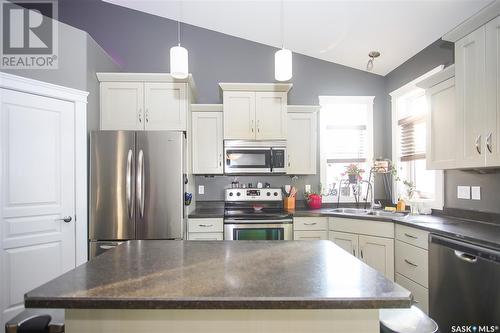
(436, 54)
(140, 42)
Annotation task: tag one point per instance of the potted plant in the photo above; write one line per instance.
(354, 173)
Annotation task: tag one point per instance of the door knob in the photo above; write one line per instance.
(66, 219)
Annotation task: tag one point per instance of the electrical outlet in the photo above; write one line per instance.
(201, 189)
(308, 188)
(476, 192)
(463, 192)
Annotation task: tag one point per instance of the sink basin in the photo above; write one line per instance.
(351, 211)
(385, 213)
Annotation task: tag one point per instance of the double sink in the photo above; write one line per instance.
(365, 212)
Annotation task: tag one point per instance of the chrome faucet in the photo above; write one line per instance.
(372, 197)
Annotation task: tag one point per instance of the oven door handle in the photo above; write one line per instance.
(234, 221)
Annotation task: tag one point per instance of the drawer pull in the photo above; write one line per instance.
(310, 223)
(410, 263)
(410, 236)
(205, 225)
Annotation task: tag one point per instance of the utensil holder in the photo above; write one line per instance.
(289, 203)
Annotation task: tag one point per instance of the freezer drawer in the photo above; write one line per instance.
(99, 247)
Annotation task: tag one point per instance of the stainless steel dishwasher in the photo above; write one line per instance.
(464, 285)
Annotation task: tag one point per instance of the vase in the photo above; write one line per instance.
(353, 179)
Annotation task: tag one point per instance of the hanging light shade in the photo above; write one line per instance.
(179, 62)
(283, 65)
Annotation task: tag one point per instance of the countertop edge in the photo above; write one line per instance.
(214, 304)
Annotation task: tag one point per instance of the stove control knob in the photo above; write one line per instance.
(275, 194)
(238, 194)
(268, 194)
(230, 194)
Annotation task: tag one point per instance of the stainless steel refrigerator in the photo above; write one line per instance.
(136, 187)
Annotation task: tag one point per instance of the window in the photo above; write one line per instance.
(346, 129)
(409, 111)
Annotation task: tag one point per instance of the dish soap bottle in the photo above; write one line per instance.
(401, 206)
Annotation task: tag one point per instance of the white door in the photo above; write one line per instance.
(493, 93)
(122, 106)
(345, 240)
(441, 128)
(378, 252)
(165, 106)
(37, 191)
(470, 87)
(302, 143)
(270, 115)
(207, 142)
(239, 115)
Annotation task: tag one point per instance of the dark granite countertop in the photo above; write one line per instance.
(156, 274)
(207, 213)
(481, 233)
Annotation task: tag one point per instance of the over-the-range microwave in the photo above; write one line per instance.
(251, 157)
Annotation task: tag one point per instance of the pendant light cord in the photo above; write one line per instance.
(282, 11)
(179, 24)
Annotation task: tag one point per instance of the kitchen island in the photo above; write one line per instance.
(226, 286)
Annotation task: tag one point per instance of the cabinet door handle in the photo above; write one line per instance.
(361, 253)
(488, 142)
(354, 252)
(288, 159)
(309, 223)
(410, 263)
(251, 126)
(478, 144)
(220, 159)
(140, 115)
(258, 126)
(410, 236)
(147, 116)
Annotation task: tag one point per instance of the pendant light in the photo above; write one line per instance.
(179, 55)
(283, 57)
(372, 55)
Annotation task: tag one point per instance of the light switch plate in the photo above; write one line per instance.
(476, 192)
(463, 192)
(201, 189)
(308, 188)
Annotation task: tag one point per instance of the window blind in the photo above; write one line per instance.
(412, 135)
(346, 143)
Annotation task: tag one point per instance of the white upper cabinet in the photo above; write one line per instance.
(270, 115)
(151, 101)
(470, 84)
(166, 106)
(255, 111)
(302, 140)
(441, 119)
(122, 106)
(493, 93)
(207, 141)
(239, 115)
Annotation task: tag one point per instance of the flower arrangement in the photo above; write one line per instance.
(354, 173)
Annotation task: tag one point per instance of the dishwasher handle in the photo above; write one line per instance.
(466, 257)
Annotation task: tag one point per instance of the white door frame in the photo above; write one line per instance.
(79, 99)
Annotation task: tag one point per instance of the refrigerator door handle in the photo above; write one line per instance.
(128, 184)
(140, 183)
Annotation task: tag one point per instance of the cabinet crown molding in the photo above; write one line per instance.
(303, 108)
(206, 107)
(439, 77)
(279, 87)
(477, 20)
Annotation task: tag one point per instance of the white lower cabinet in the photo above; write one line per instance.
(310, 228)
(205, 229)
(370, 241)
(412, 263)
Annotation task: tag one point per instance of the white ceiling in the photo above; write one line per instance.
(342, 32)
